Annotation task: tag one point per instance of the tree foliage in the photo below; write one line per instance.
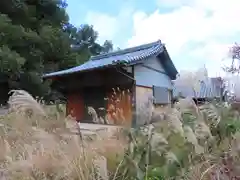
(36, 37)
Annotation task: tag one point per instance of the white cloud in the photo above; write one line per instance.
(103, 24)
(106, 25)
(215, 55)
(220, 51)
(175, 29)
(197, 21)
(172, 3)
(188, 24)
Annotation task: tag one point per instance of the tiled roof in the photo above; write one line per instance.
(210, 88)
(130, 56)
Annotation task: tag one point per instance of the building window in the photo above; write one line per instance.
(162, 95)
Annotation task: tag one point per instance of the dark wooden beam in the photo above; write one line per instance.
(107, 78)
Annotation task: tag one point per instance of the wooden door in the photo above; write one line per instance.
(75, 106)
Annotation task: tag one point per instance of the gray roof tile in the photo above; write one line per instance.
(130, 56)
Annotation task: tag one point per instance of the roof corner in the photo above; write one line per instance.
(169, 65)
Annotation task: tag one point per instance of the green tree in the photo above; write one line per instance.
(32, 40)
(36, 37)
(107, 46)
(84, 41)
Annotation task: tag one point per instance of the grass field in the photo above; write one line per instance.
(186, 142)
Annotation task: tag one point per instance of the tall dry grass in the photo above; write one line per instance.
(187, 142)
(38, 143)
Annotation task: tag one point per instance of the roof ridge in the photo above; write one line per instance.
(127, 50)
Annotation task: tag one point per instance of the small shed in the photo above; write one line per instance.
(118, 85)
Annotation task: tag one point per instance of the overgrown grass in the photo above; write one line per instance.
(187, 142)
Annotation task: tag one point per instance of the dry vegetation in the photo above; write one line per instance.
(187, 142)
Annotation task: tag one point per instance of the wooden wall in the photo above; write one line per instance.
(75, 105)
(114, 105)
(101, 78)
(100, 89)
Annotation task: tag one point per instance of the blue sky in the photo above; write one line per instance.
(196, 32)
